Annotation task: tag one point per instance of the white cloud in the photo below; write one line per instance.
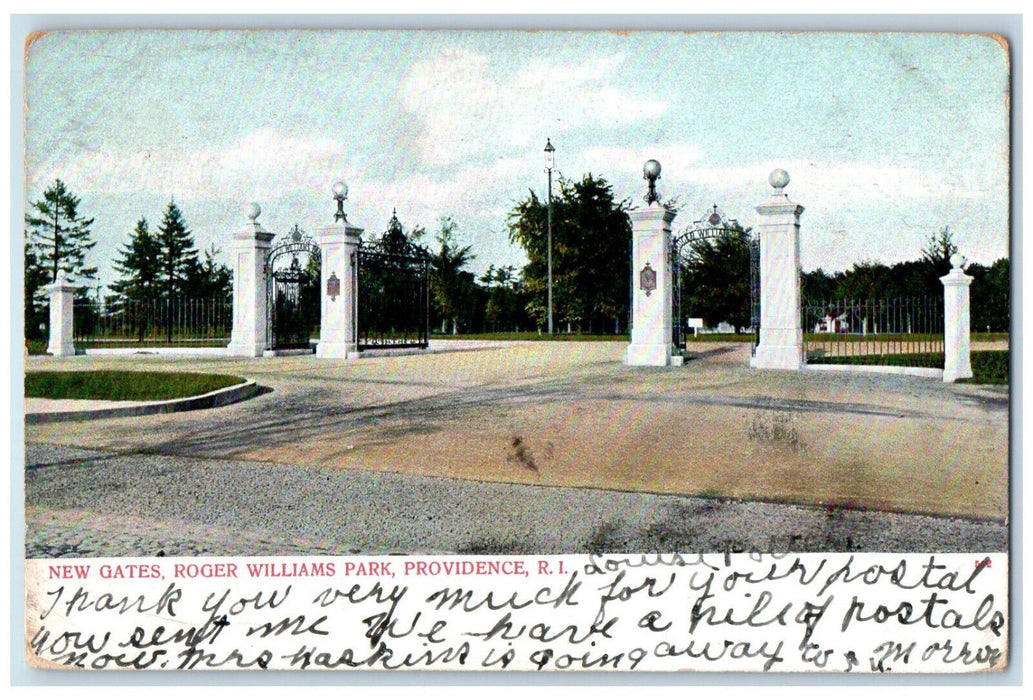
(261, 163)
(466, 109)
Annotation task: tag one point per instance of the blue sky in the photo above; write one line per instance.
(887, 136)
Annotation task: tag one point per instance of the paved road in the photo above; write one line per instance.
(89, 503)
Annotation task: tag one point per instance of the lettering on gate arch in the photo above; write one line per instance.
(647, 279)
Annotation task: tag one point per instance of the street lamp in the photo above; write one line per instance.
(340, 191)
(549, 163)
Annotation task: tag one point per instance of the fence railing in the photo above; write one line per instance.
(867, 329)
(115, 323)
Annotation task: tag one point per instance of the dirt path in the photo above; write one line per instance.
(571, 414)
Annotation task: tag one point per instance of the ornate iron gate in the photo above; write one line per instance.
(755, 289)
(392, 300)
(711, 225)
(292, 292)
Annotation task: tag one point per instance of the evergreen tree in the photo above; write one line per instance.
(397, 241)
(60, 238)
(138, 265)
(177, 257)
(936, 257)
(56, 238)
(36, 276)
(214, 280)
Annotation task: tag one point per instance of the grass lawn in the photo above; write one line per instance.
(534, 335)
(988, 366)
(104, 385)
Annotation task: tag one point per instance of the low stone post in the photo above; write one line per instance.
(957, 346)
(778, 226)
(339, 247)
(652, 294)
(250, 318)
(62, 301)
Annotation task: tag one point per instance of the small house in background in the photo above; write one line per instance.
(834, 321)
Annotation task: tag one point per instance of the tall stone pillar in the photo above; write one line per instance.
(250, 320)
(652, 292)
(62, 300)
(957, 346)
(339, 246)
(778, 225)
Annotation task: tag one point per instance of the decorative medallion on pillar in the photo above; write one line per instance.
(333, 286)
(647, 279)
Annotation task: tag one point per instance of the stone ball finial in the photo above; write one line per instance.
(957, 261)
(253, 210)
(778, 178)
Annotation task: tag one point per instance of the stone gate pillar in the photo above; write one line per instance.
(250, 320)
(652, 292)
(778, 226)
(957, 346)
(61, 293)
(339, 245)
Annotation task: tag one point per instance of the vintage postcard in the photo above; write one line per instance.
(610, 351)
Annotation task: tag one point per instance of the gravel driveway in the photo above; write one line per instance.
(89, 503)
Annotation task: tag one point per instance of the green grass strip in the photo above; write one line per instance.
(533, 335)
(988, 366)
(108, 385)
(914, 359)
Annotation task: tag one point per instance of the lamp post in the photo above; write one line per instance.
(549, 163)
(340, 191)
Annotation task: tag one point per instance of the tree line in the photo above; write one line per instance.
(591, 244)
(920, 277)
(163, 264)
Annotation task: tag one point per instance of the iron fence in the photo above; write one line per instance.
(121, 322)
(869, 329)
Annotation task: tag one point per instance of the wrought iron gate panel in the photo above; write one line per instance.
(392, 300)
(293, 303)
(291, 316)
(678, 323)
(755, 288)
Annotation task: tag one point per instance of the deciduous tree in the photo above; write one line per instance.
(716, 278)
(591, 239)
(452, 287)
